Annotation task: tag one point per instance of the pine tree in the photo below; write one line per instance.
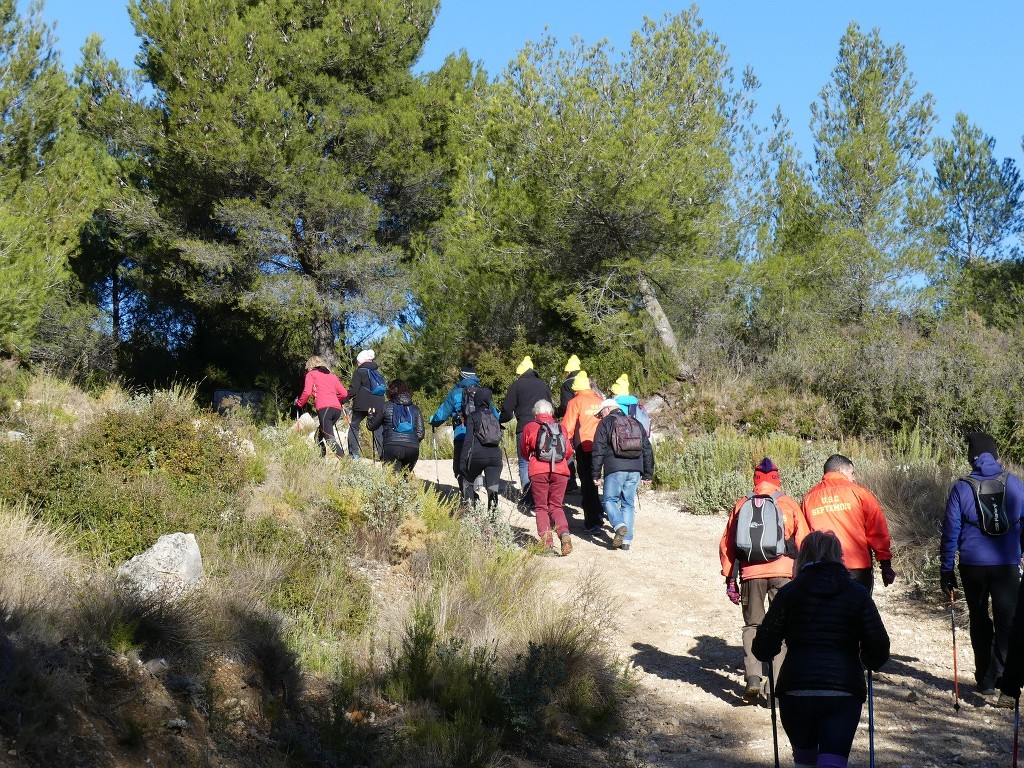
(294, 161)
(871, 136)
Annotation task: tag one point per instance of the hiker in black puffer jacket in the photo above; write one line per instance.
(360, 394)
(401, 424)
(524, 393)
(830, 626)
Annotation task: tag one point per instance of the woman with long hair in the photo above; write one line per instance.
(830, 626)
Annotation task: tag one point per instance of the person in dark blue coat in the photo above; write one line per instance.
(451, 408)
(830, 627)
(989, 565)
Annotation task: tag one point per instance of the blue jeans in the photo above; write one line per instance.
(619, 496)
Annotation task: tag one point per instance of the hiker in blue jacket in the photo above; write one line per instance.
(451, 408)
(989, 564)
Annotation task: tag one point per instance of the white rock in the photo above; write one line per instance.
(171, 567)
(14, 436)
(306, 423)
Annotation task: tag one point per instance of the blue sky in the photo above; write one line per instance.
(967, 55)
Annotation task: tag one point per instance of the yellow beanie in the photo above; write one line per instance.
(573, 364)
(621, 386)
(524, 366)
(581, 382)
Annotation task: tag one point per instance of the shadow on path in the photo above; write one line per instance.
(706, 666)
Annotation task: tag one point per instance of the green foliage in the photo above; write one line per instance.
(871, 135)
(51, 177)
(590, 196)
(982, 197)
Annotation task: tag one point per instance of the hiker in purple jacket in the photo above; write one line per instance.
(989, 563)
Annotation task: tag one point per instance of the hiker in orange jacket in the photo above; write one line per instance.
(760, 579)
(853, 514)
(580, 423)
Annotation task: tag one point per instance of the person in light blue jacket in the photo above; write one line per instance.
(989, 564)
(451, 408)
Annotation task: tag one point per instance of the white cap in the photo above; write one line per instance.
(365, 356)
(608, 404)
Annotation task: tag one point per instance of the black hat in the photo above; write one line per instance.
(979, 443)
(467, 371)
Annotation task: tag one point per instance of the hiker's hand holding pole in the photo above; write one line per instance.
(947, 582)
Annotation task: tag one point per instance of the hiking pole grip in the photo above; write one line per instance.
(771, 696)
(956, 673)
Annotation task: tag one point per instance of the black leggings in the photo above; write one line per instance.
(819, 725)
(492, 477)
(328, 422)
(401, 455)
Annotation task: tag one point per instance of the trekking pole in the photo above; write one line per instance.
(433, 439)
(1016, 728)
(771, 697)
(956, 675)
(508, 464)
(871, 721)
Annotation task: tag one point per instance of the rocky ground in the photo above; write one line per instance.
(682, 635)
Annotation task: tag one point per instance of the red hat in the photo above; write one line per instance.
(766, 471)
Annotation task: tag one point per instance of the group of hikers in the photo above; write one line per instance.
(802, 572)
(811, 562)
(604, 441)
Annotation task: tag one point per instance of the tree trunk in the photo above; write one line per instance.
(323, 337)
(663, 327)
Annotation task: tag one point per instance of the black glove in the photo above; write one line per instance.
(888, 574)
(947, 582)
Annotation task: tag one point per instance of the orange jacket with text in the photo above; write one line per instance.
(580, 420)
(792, 522)
(853, 514)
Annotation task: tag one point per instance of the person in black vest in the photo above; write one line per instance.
(360, 394)
(477, 458)
(525, 392)
(989, 565)
(830, 627)
(401, 425)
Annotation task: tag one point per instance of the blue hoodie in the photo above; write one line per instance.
(960, 529)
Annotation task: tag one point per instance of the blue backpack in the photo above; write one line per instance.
(378, 385)
(402, 418)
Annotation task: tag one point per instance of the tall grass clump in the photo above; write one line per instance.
(913, 497)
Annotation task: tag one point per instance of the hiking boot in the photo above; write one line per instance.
(1005, 702)
(566, 544)
(624, 548)
(753, 691)
(620, 534)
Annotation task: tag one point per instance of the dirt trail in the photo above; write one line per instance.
(683, 636)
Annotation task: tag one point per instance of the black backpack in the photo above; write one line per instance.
(468, 406)
(760, 530)
(551, 444)
(627, 437)
(486, 429)
(990, 503)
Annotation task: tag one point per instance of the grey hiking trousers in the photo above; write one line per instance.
(753, 594)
